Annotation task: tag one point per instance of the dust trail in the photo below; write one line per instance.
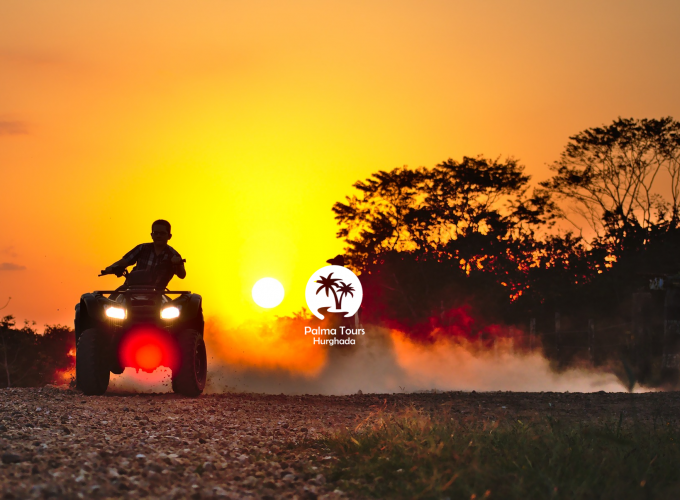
(278, 358)
(458, 366)
(385, 361)
(132, 380)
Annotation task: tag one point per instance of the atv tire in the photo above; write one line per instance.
(92, 373)
(189, 378)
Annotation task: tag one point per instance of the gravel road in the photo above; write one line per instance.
(56, 443)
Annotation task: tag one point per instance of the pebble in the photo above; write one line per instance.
(250, 481)
(10, 458)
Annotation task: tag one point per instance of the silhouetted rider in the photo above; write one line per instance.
(155, 263)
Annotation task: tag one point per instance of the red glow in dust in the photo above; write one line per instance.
(147, 348)
(149, 357)
(454, 323)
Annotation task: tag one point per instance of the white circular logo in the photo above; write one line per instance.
(333, 289)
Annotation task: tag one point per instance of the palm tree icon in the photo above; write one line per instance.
(328, 283)
(345, 289)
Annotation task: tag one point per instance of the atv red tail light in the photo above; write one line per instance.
(147, 348)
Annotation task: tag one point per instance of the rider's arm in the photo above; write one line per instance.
(127, 260)
(178, 267)
(118, 264)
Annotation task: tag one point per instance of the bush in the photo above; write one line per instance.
(30, 359)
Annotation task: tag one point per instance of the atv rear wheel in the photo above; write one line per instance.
(189, 378)
(92, 373)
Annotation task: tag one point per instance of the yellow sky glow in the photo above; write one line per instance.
(243, 122)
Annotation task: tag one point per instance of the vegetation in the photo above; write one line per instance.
(472, 211)
(608, 174)
(415, 455)
(470, 236)
(29, 359)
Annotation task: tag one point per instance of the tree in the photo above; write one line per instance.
(466, 240)
(609, 174)
(428, 239)
(377, 220)
(480, 212)
(5, 325)
(28, 358)
(18, 352)
(463, 210)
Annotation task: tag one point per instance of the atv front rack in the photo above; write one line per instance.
(143, 290)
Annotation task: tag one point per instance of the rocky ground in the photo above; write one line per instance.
(55, 442)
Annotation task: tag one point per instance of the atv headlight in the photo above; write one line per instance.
(170, 312)
(115, 312)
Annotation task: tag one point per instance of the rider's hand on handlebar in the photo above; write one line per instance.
(112, 270)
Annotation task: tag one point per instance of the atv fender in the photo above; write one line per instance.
(88, 305)
(192, 306)
(192, 312)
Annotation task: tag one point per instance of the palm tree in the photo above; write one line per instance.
(327, 284)
(345, 289)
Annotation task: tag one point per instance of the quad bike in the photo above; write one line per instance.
(141, 327)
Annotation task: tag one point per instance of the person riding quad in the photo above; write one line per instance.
(115, 328)
(155, 263)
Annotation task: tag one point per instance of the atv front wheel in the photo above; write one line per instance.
(189, 378)
(92, 373)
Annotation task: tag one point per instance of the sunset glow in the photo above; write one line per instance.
(242, 123)
(277, 347)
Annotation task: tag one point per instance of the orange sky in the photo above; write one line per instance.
(243, 122)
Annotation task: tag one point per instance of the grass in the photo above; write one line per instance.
(415, 455)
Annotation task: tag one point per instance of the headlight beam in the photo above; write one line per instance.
(170, 312)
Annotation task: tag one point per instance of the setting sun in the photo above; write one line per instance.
(268, 293)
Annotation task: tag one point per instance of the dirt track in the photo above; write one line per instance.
(57, 443)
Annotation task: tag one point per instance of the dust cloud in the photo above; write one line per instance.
(138, 381)
(386, 361)
(279, 358)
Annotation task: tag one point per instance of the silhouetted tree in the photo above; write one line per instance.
(454, 248)
(378, 220)
(611, 176)
(456, 209)
(608, 175)
(18, 351)
(425, 238)
(28, 358)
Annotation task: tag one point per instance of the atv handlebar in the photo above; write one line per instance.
(118, 271)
